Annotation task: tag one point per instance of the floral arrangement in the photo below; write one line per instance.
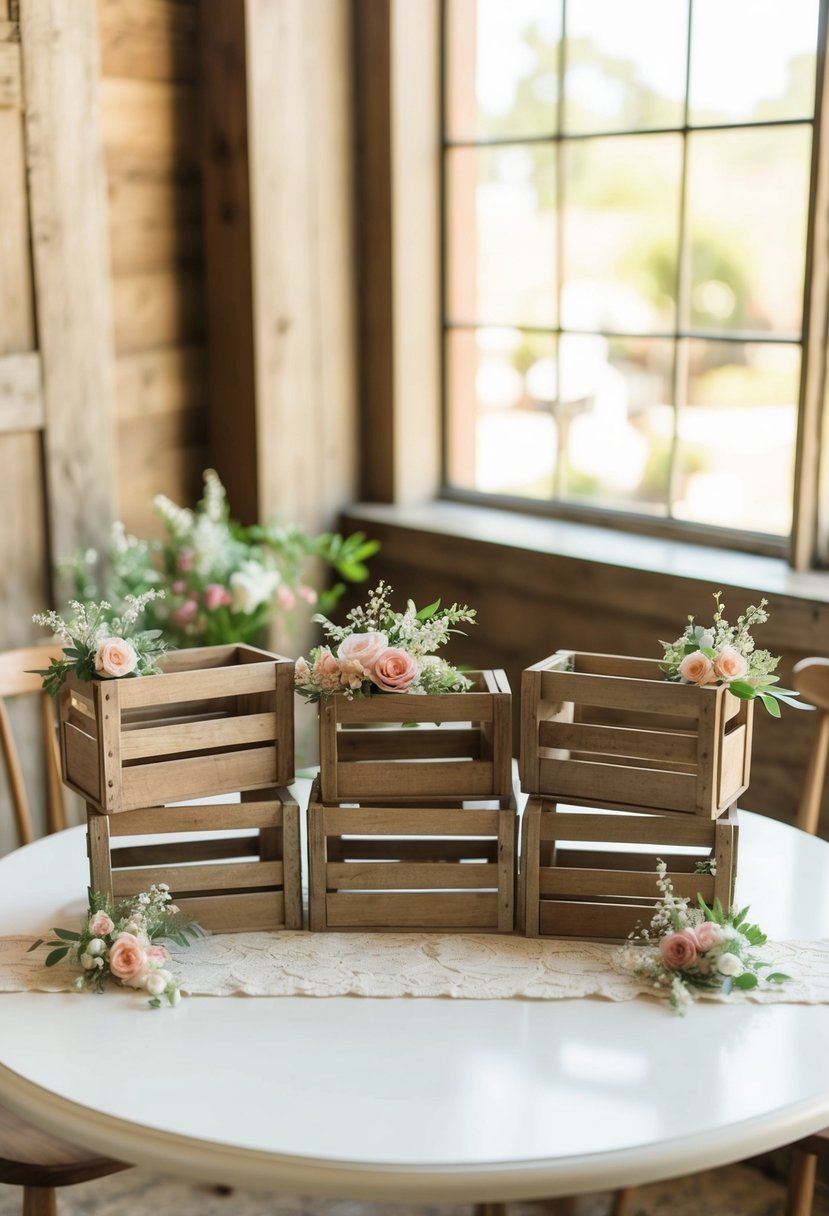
(120, 942)
(100, 646)
(380, 650)
(222, 582)
(726, 654)
(688, 948)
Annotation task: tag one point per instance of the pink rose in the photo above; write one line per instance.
(707, 935)
(115, 657)
(363, 648)
(326, 671)
(100, 924)
(679, 950)
(307, 593)
(127, 960)
(179, 587)
(696, 668)
(730, 664)
(395, 670)
(216, 596)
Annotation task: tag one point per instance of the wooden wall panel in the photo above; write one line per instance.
(530, 604)
(151, 123)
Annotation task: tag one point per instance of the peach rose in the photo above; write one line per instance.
(679, 950)
(185, 613)
(100, 924)
(394, 671)
(115, 657)
(157, 955)
(352, 673)
(696, 668)
(707, 935)
(127, 960)
(363, 648)
(730, 664)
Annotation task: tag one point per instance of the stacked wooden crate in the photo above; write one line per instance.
(219, 720)
(660, 766)
(412, 824)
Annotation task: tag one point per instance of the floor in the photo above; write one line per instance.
(737, 1190)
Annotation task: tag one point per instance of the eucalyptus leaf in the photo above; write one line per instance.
(56, 956)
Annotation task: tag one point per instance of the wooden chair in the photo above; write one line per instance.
(29, 1157)
(811, 679)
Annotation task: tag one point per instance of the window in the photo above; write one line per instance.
(628, 201)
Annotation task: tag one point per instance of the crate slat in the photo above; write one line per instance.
(626, 829)
(198, 776)
(238, 913)
(410, 910)
(410, 779)
(680, 746)
(227, 876)
(607, 883)
(216, 818)
(586, 781)
(404, 820)
(595, 921)
(197, 736)
(379, 876)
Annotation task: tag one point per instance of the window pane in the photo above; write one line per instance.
(735, 463)
(618, 80)
(747, 212)
(752, 60)
(621, 230)
(501, 237)
(616, 421)
(502, 67)
(500, 385)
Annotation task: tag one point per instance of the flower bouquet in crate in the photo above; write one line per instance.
(669, 735)
(377, 677)
(141, 726)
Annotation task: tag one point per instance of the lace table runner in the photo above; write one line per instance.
(464, 965)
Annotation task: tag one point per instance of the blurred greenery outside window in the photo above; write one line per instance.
(626, 196)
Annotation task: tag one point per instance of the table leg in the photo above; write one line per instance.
(39, 1201)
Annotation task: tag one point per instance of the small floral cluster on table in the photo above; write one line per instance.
(222, 582)
(380, 650)
(687, 948)
(98, 645)
(725, 654)
(120, 942)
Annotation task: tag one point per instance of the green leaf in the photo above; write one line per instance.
(155, 1003)
(719, 915)
(708, 652)
(746, 980)
(428, 612)
(745, 692)
(709, 915)
(777, 977)
(56, 956)
(67, 935)
(35, 945)
(770, 704)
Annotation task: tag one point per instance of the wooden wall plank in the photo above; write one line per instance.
(21, 393)
(149, 39)
(153, 119)
(161, 381)
(10, 90)
(157, 308)
(71, 261)
(228, 253)
(298, 57)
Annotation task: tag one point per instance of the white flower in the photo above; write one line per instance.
(252, 585)
(87, 962)
(96, 947)
(729, 964)
(79, 984)
(155, 983)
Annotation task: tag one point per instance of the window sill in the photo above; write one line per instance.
(601, 546)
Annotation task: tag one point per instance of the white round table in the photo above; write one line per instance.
(416, 1100)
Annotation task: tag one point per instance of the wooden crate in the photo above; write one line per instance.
(370, 748)
(218, 720)
(250, 880)
(602, 728)
(403, 867)
(592, 873)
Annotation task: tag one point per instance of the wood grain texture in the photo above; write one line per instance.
(11, 95)
(71, 262)
(21, 393)
(149, 39)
